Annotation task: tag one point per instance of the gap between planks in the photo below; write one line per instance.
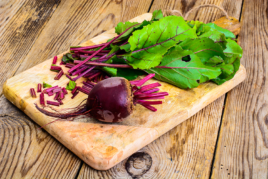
(223, 111)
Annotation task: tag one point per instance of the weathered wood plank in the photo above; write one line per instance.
(187, 150)
(29, 152)
(81, 22)
(8, 9)
(19, 35)
(242, 150)
(73, 22)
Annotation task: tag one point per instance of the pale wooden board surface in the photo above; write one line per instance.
(180, 143)
(242, 150)
(63, 35)
(188, 104)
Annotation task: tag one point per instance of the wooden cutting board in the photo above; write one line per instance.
(103, 145)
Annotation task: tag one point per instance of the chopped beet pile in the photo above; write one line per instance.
(110, 100)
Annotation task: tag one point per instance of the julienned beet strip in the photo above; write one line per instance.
(33, 94)
(53, 103)
(55, 68)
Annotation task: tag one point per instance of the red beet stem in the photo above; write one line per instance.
(39, 87)
(151, 90)
(87, 47)
(50, 89)
(142, 81)
(61, 95)
(69, 65)
(88, 84)
(84, 90)
(42, 99)
(55, 60)
(59, 75)
(74, 95)
(74, 90)
(33, 94)
(79, 70)
(85, 72)
(147, 87)
(57, 96)
(93, 76)
(59, 100)
(57, 90)
(64, 90)
(69, 77)
(148, 102)
(50, 93)
(104, 46)
(151, 95)
(55, 68)
(53, 103)
(150, 107)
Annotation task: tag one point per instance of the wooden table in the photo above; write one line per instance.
(229, 138)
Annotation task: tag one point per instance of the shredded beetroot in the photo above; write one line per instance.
(33, 94)
(53, 103)
(55, 60)
(39, 87)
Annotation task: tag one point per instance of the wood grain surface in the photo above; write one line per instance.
(53, 37)
(242, 150)
(91, 140)
(187, 150)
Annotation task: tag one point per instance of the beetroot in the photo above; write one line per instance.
(113, 99)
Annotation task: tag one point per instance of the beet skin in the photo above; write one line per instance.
(114, 99)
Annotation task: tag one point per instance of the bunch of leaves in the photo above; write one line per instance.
(179, 52)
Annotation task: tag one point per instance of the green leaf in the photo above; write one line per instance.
(232, 63)
(225, 76)
(195, 25)
(71, 85)
(66, 59)
(121, 27)
(214, 35)
(125, 47)
(227, 33)
(157, 14)
(232, 48)
(69, 55)
(149, 44)
(129, 74)
(184, 73)
(110, 71)
(45, 85)
(204, 48)
(214, 61)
